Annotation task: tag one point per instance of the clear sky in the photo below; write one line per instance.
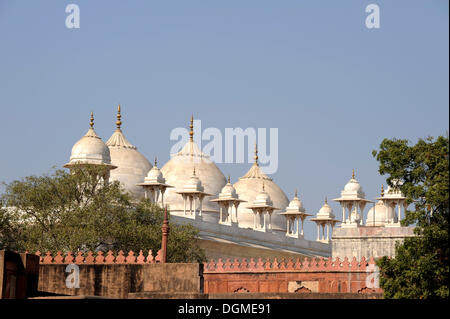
(332, 87)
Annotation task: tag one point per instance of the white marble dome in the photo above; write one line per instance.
(228, 191)
(325, 212)
(248, 188)
(132, 166)
(377, 216)
(90, 149)
(178, 171)
(155, 175)
(353, 186)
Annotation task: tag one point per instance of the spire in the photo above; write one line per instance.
(296, 194)
(326, 200)
(156, 161)
(92, 120)
(118, 122)
(256, 155)
(353, 174)
(382, 190)
(191, 127)
(229, 181)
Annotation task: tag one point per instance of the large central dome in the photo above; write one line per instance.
(132, 166)
(178, 170)
(249, 186)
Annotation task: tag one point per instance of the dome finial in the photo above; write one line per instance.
(382, 190)
(296, 194)
(263, 187)
(194, 171)
(353, 174)
(326, 200)
(256, 154)
(191, 127)
(229, 180)
(156, 161)
(92, 120)
(118, 122)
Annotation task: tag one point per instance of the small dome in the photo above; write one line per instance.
(376, 216)
(155, 176)
(353, 186)
(296, 204)
(263, 198)
(132, 166)
(193, 184)
(326, 212)
(228, 191)
(90, 149)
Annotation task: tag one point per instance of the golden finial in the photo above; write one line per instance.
(382, 190)
(256, 154)
(92, 120)
(156, 161)
(326, 200)
(353, 174)
(194, 171)
(118, 122)
(263, 187)
(296, 194)
(229, 180)
(191, 127)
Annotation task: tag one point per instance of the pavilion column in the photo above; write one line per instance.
(287, 226)
(270, 220)
(184, 198)
(343, 212)
(327, 231)
(399, 212)
(254, 219)
(162, 197)
(318, 231)
(296, 223)
(302, 226)
(201, 205)
(236, 212)
(264, 219)
(220, 214)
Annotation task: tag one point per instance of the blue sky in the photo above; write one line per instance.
(332, 87)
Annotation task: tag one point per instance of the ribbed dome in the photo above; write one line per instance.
(90, 149)
(177, 172)
(132, 166)
(248, 188)
(377, 216)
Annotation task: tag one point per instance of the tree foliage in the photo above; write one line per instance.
(77, 211)
(420, 268)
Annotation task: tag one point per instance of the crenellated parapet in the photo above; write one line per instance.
(306, 265)
(99, 257)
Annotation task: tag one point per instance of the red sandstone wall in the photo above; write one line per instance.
(322, 275)
(307, 276)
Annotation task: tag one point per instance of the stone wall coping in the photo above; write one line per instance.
(307, 265)
(91, 258)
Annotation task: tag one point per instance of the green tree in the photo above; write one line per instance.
(77, 211)
(420, 268)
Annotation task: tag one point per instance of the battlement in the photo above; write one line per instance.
(307, 265)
